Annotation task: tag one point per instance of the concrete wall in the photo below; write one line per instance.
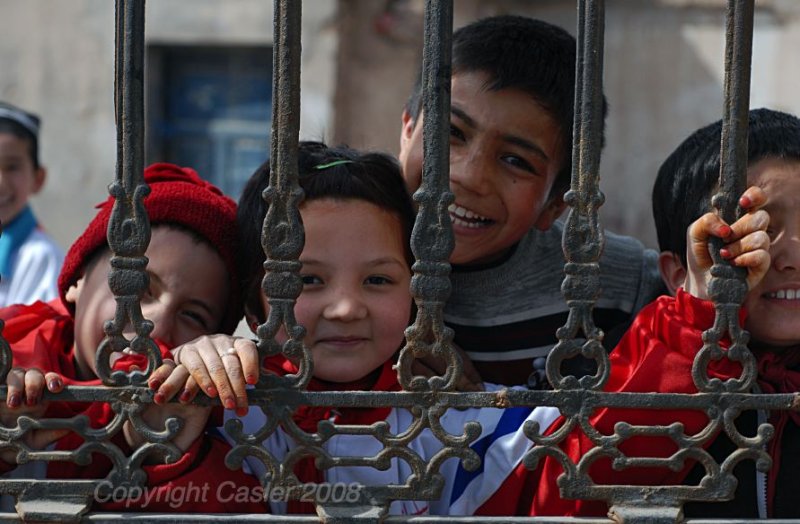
(57, 59)
(663, 78)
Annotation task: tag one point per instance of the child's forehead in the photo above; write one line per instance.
(771, 172)
(780, 180)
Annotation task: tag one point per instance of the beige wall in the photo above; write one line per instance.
(57, 59)
(663, 78)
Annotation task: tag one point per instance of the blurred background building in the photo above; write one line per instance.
(209, 84)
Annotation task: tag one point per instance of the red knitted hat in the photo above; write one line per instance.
(177, 196)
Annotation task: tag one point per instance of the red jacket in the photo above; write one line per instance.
(42, 336)
(655, 355)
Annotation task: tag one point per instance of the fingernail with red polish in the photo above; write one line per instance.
(159, 398)
(725, 231)
(229, 403)
(186, 396)
(745, 201)
(154, 383)
(212, 391)
(250, 379)
(54, 384)
(725, 253)
(31, 401)
(14, 401)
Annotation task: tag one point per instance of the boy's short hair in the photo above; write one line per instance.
(526, 54)
(689, 177)
(23, 125)
(324, 172)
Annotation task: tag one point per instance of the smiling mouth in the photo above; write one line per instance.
(784, 294)
(342, 341)
(461, 216)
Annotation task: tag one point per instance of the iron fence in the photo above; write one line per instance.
(432, 242)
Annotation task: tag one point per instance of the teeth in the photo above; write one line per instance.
(458, 222)
(463, 212)
(785, 294)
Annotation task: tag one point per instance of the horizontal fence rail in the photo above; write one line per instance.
(576, 399)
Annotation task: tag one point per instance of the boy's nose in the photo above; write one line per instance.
(163, 325)
(785, 251)
(472, 172)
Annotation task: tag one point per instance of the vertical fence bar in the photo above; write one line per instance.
(129, 226)
(728, 286)
(583, 236)
(432, 237)
(282, 236)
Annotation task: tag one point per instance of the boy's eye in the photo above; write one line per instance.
(772, 234)
(456, 133)
(377, 280)
(309, 280)
(196, 318)
(519, 163)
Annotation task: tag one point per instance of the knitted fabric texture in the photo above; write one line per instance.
(177, 196)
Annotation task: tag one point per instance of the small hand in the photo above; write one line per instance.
(219, 365)
(746, 243)
(470, 379)
(24, 397)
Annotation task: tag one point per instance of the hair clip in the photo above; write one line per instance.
(333, 164)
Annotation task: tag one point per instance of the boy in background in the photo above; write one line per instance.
(29, 259)
(512, 99)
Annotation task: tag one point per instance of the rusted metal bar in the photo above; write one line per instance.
(432, 238)
(129, 226)
(282, 236)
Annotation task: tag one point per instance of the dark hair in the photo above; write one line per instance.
(689, 177)
(18, 130)
(522, 53)
(372, 177)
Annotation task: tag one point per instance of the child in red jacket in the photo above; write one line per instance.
(193, 290)
(658, 351)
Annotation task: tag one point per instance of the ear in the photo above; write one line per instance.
(406, 130)
(39, 176)
(74, 292)
(552, 210)
(672, 271)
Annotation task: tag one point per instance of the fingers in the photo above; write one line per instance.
(203, 363)
(248, 355)
(428, 367)
(171, 385)
(161, 373)
(233, 368)
(757, 264)
(755, 241)
(16, 387)
(54, 382)
(470, 378)
(26, 386)
(215, 365)
(751, 222)
(753, 198)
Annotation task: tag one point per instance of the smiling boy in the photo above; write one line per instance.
(510, 144)
(29, 258)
